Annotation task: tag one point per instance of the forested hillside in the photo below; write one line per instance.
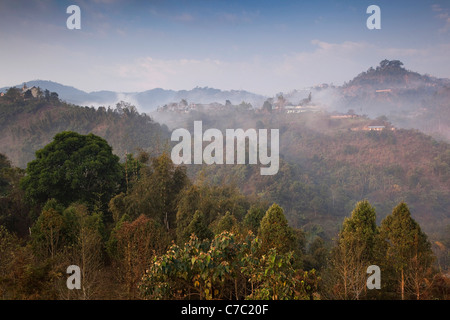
(109, 199)
(407, 98)
(27, 124)
(329, 163)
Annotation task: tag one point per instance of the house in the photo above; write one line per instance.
(33, 90)
(375, 128)
(344, 116)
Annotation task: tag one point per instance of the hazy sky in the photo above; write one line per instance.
(260, 46)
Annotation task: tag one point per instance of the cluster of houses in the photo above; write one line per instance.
(184, 107)
(299, 109)
(375, 126)
(31, 92)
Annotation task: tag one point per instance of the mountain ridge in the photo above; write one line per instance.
(145, 101)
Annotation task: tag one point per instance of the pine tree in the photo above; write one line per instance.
(353, 253)
(406, 249)
(360, 229)
(275, 231)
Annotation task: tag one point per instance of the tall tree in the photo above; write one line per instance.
(275, 231)
(361, 229)
(353, 253)
(156, 194)
(132, 247)
(407, 250)
(85, 250)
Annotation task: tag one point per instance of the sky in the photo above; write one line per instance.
(260, 46)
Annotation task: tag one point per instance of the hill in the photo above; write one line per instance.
(27, 125)
(328, 163)
(145, 101)
(407, 98)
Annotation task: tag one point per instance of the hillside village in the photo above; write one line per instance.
(271, 106)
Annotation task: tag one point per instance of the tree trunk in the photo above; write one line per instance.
(402, 286)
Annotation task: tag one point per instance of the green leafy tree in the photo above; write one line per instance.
(252, 219)
(156, 194)
(275, 231)
(226, 223)
(407, 251)
(275, 277)
(83, 239)
(46, 233)
(198, 227)
(316, 256)
(353, 253)
(13, 95)
(360, 229)
(198, 269)
(5, 164)
(73, 168)
(186, 207)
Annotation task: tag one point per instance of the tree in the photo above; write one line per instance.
(198, 268)
(275, 231)
(157, 192)
(13, 94)
(360, 229)
(28, 95)
(73, 168)
(132, 246)
(14, 211)
(223, 268)
(186, 207)
(252, 219)
(226, 223)
(267, 106)
(407, 250)
(54, 97)
(46, 233)
(198, 227)
(5, 164)
(316, 255)
(345, 276)
(353, 253)
(8, 245)
(47, 95)
(84, 248)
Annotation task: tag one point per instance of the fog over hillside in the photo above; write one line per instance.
(408, 99)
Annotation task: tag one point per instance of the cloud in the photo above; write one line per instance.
(328, 62)
(444, 16)
(436, 8)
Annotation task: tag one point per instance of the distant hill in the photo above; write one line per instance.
(392, 75)
(145, 101)
(408, 99)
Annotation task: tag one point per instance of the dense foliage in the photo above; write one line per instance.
(144, 228)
